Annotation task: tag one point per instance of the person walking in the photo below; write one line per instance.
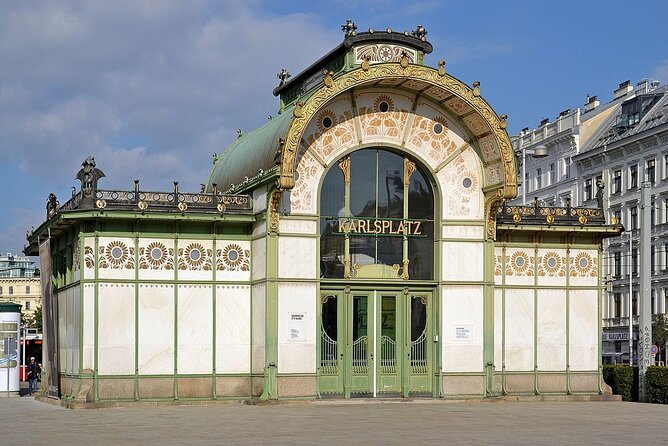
(33, 374)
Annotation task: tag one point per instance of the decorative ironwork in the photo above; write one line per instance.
(349, 28)
(538, 214)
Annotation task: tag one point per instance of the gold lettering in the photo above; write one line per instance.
(342, 225)
(378, 227)
(387, 226)
(352, 227)
(417, 230)
(361, 225)
(401, 229)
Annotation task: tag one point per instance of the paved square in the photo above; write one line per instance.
(27, 421)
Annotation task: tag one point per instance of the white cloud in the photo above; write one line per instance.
(150, 89)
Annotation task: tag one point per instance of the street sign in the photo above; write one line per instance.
(654, 349)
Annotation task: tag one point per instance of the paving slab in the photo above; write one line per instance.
(28, 421)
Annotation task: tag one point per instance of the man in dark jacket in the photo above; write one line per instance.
(33, 374)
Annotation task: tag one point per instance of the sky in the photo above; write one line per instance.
(152, 89)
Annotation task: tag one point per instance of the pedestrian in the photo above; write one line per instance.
(33, 374)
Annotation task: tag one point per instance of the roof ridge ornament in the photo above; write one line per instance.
(283, 75)
(420, 32)
(349, 28)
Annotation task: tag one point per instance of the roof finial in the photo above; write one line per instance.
(349, 28)
(284, 75)
(420, 32)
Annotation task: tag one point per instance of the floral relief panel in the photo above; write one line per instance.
(156, 259)
(195, 259)
(303, 195)
(583, 267)
(233, 260)
(382, 115)
(519, 266)
(331, 131)
(461, 183)
(433, 135)
(116, 258)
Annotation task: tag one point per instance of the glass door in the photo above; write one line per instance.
(332, 343)
(419, 346)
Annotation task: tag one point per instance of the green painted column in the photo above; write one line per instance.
(488, 317)
(271, 300)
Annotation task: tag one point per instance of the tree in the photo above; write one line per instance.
(660, 330)
(36, 320)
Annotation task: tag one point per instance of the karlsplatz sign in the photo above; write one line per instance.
(378, 226)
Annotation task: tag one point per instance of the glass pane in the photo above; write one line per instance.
(388, 331)
(329, 347)
(421, 249)
(360, 335)
(363, 183)
(331, 246)
(418, 317)
(390, 185)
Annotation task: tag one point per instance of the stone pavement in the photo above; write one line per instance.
(27, 421)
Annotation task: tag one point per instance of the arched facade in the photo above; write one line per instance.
(357, 244)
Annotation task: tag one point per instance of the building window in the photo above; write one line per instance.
(28, 305)
(618, 305)
(11, 290)
(633, 176)
(635, 303)
(652, 216)
(588, 190)
(0, 291)
(651, 171)
(566, 163)
(665, 166)
(618, 215)
(618, 264)
(665, 298)
(651, 257)
(634, 261)
(539, 178)
(28, 289)
(526, 182)
(665, 259)
(634, 217)
(617, 182)
(550, 174)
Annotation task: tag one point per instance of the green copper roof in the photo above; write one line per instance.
(252, 155)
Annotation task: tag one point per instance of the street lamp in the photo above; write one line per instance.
(538, 152)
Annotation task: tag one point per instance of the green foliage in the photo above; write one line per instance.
(36, 320)
(660, 330)
(657, 385)
(623, 380)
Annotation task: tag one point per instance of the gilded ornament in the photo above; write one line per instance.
(476, 88)
(101, 204)
(409, 168)
(182, 207)
(344, 165)
(273, 211)
(365, 63)
(504, 121)
(441, 67)
(404, 60)
(517, 218)
(549, 219)
(142, 205)
(582, 220)
(614, 221)
(327, 78)
(298, 112)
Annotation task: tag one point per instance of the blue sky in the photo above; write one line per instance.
(152, 89)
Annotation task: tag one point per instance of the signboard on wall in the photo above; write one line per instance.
(297, 327)
(612, 337)
(462, 333)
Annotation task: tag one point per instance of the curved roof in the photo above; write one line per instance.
(252, 156)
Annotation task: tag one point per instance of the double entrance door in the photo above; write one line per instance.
(376, 342)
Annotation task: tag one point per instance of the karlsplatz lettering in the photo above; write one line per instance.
(386, 227)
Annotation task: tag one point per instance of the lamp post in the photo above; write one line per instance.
(538, 152)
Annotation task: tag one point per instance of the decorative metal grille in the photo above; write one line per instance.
(329, 363)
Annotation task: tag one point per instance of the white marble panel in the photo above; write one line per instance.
(520, 266)
(258, 324)
(233, 325)
(330, 143)
(583, 330)
(377, 126)
(233, 260)
(259, 255)
(297, 258)
(469, 232)
(156, 329)
(259, 199)
(462, 329)
(259, 228)
(551, 330)
(462, 261)
(88, 325)
(116, 258)
(195, 329)
(584, 267)
(519, 330)
(156, 259)
(195, 260)
(297, 327)
(498, 329)
(294, 226)
(90, 259)
(116, 329)
(551, 267)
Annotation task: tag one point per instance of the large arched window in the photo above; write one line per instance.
(377, 218)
